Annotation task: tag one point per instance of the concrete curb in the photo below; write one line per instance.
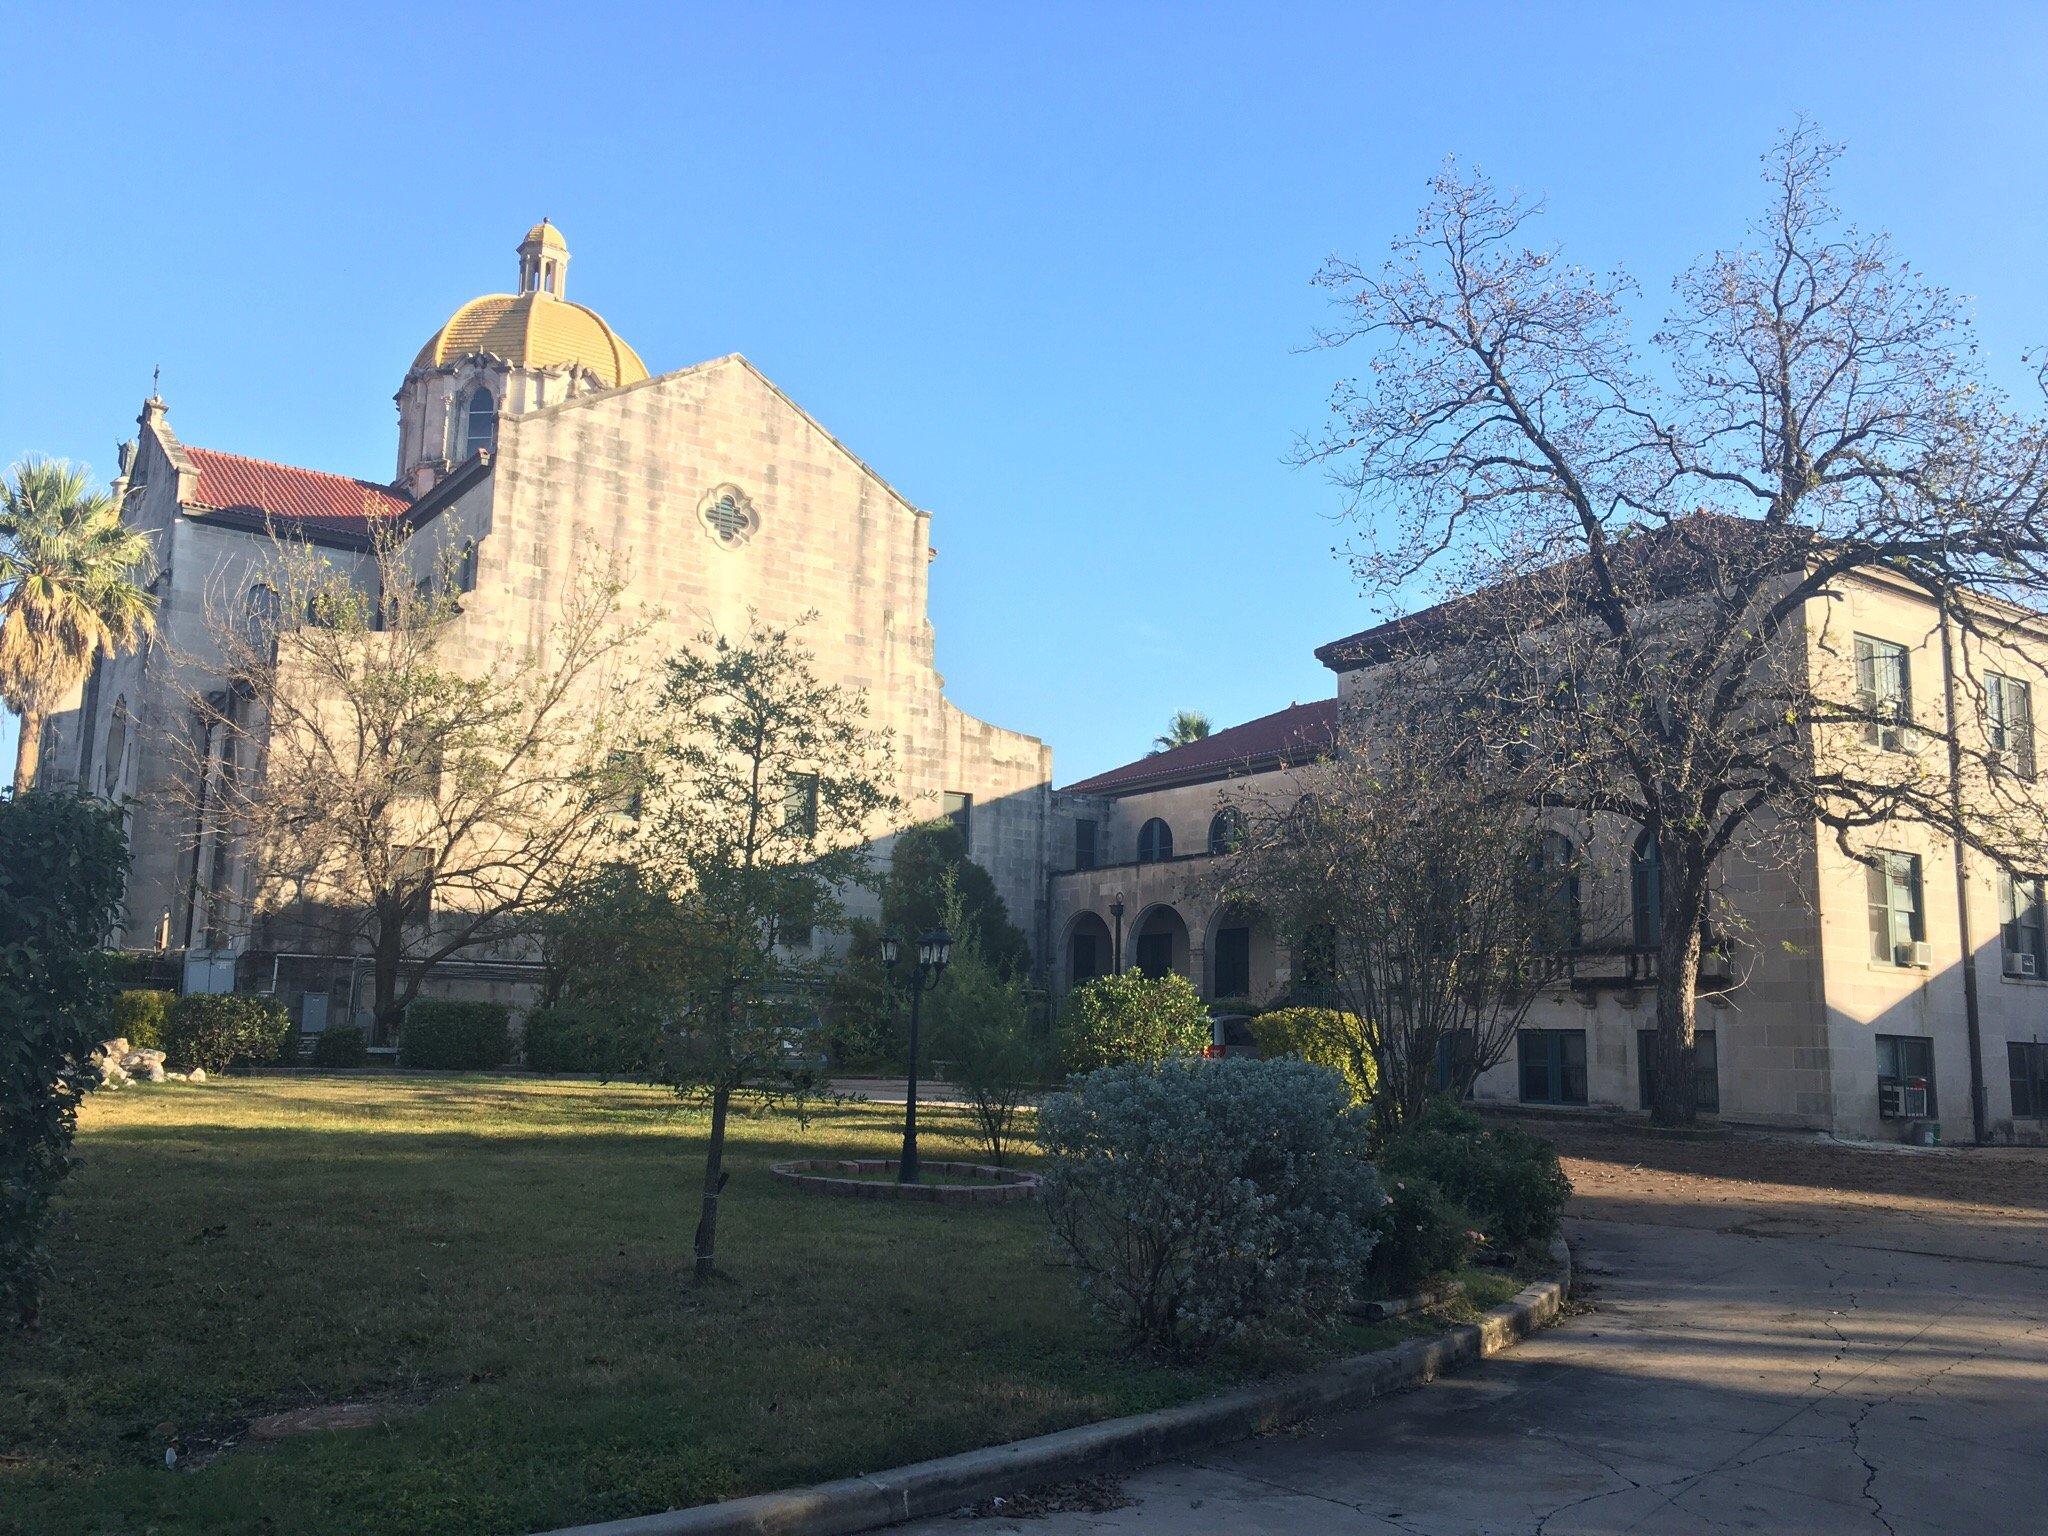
(1115, 1445)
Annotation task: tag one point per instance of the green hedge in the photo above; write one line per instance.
(341, 1045)
(221, 1030)
(1329, 1037)
(1509, 1182)
(139, 1016)
(574, 1037)
(1132, 1017)
(455, 1036)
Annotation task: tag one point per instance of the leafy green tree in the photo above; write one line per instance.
(69, 570)
(1187, 726)
(981, 1027)
(763, 785)
(1132, 1017)
(63, 859)
(927, 863)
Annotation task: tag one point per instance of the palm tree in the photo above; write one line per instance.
(1188, 725)
(68, 592)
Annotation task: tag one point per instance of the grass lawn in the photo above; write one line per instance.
(511, 1256)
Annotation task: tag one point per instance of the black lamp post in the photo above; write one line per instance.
(1116, 910)
(934, 949)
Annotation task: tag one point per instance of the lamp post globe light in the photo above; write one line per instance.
(934, 950)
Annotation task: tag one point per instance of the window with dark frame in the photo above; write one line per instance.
(2027, 1063)
(1155, 842)
(1084, 842)
(2021, 936)
(1706, 1069)
(1905, 1078)
(1233, 961)
(1553, 1065)
(480, 422)
(1898, 924)
(1226, 827)
(2009, 723)
(1884, 691)
(1084, 956)
(800, 805)
(1646, 891)
(959, 810)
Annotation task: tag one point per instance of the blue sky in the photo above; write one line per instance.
(1047, 268)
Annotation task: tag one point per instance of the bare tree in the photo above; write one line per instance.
(1419, 886)
(394, 784)
(1640, 552)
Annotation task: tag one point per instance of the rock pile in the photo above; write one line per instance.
(119, 1064)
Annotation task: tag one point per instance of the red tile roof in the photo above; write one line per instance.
(308, 498)
(1291, 735)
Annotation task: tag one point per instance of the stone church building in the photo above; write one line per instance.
(529, 430)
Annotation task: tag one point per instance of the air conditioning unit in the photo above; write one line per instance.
(1913, 1100)
(1919, 954)
(2021, 964)
(1891, 1100)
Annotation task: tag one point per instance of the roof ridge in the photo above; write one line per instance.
(1201, 757)
(299, 469)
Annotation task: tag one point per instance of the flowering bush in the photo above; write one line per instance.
(1132, 1017)
(1200, 1200)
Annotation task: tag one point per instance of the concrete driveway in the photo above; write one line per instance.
(1778, 1338)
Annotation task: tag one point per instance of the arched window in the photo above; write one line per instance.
(1155, 842)
(1226, 830)
(116, 757)
(1646, 890)
(480, 422)
(1557, 890)
(261, 608)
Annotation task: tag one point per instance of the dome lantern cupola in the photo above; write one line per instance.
(500, 356)
(543, 261)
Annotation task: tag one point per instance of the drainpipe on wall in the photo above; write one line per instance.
(1971, 1017)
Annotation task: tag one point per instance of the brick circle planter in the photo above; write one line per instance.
(843, 1176)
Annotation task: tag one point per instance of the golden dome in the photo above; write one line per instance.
(546, 234)
(534, 330)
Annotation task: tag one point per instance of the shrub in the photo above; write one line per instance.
(1201, 1200)
(62, 862)
(221, 1030)
(139, 1015)
(1509, 1181)
(1132, 1017)
(574, 1037)
(439, 1032)
(341, 1045)
(982, 1024)
(1422, 1233)
(1329, 1037)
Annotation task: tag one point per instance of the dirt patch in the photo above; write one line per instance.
(326, 1416)
(1989, 1203)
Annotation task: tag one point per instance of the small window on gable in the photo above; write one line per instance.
(479, 422)
(1155, 842)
